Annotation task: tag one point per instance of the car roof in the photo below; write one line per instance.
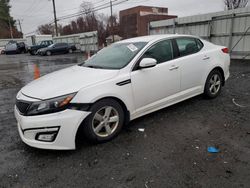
(61, 43)
(152, 38)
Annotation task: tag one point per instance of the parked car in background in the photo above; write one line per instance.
(2, 50)
(73, 47)
(58, 48)
(43, 44)
(13, 47)
(122, 82)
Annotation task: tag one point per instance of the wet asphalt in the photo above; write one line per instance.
(170, 152)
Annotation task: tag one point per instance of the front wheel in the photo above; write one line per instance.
(213, 84)
(33, 52)
(70, 51)
(48, 53)
(105, 121)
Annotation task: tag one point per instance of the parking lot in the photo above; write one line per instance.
(165, 149)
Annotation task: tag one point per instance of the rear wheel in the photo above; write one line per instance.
(213, 84)
(70, 51)
(105, 121)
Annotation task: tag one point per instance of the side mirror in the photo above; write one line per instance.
(147, 63)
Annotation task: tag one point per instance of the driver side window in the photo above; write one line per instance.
(162, 51)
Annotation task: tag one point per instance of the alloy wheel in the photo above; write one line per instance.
(214, 84)
(105, 121)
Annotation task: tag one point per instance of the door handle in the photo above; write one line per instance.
(206, 58)
(173, 67)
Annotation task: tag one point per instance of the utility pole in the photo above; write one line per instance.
(11, 32)
(54, 8)
(112, 24)
(19, 23)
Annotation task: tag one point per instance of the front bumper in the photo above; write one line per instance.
(66, 121)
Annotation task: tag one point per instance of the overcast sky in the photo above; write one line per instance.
(33, 13)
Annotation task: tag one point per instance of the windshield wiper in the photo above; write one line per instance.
(81, 64)
(94, 66)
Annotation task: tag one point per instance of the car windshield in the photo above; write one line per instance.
(116, 56)
(42, 43)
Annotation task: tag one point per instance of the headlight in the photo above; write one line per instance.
(51, 105)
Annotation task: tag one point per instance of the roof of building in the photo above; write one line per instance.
(143, 6)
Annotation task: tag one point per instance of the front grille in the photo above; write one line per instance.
(22, 106)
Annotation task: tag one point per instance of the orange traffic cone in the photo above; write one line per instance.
(36, 72)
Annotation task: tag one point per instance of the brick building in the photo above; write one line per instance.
(134, 21)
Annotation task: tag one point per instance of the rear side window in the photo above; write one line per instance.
(188, 46)
(162, 51)
(199, 44)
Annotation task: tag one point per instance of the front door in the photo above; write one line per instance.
(153, 85)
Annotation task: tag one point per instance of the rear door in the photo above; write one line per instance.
(60, 48)
(64, 48)
(193, 62)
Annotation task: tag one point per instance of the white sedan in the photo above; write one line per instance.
(120, 83)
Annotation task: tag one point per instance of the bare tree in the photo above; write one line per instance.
(89, 20)
(46, 29)
(234, 4)
(74, 26)
(89, 15)
(87, 7)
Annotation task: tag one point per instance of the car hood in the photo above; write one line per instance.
(66, 81)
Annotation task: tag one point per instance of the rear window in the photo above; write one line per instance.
(188, 46)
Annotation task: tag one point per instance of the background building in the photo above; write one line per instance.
(135, 21)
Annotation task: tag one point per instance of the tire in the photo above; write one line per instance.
(98, 126)
(48, 53)
(33, 52)
(213, 84)
(70, 51)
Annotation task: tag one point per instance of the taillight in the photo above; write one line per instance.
(225, 50)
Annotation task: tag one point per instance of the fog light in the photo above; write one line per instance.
(46, 136)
